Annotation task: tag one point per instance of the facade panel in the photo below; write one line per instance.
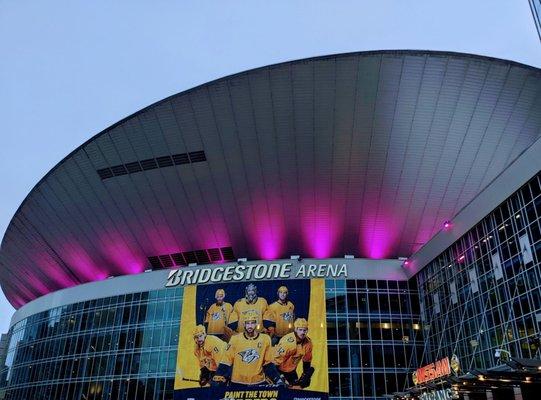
(125, 347)
(488, 286)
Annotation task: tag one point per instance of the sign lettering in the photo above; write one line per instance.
(254, 272)
(433, 371)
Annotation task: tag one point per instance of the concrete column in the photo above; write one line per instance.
(466, 396)
(489, 395)
(517, 392)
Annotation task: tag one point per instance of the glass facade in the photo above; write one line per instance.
(125, 347)
(374, 337)
(484, 292)
(121, 347)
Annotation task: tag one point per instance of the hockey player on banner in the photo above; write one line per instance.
(249, 357)
(291, 349)
(209, 350)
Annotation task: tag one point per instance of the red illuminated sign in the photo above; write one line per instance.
(433, 371)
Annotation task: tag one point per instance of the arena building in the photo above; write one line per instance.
(388, 201)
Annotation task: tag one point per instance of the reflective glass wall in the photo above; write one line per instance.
(125, 347)
(484, 292)
(121, 347)
(374, 337)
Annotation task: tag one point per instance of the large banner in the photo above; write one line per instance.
(264, 340)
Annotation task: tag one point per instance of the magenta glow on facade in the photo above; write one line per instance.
(267, 231)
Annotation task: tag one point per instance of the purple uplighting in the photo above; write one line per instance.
(320, 235)
(323, 158)
(267, 231)
(122, 259)
(377, 239)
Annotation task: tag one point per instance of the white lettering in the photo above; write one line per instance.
(239, 273)
(442, 394)
(204, 276)
(273, 270)
(285, 270)
(186, 277)
(216, 274)
(301, 273)
(228, 273)
(173, 279)
(250, 268)
(196, 276)
(190, 276)
(332, 269)
(260, 271)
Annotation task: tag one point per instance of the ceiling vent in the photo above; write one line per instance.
(203, 256)
(152, 163)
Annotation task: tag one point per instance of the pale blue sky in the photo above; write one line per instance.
(68, 69)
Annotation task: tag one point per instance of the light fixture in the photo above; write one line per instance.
(192, 265)
(349, 256)
(446, 224)
(241, 260)
(295, 257)
(148, 270)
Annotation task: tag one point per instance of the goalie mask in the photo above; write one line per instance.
(251, 293)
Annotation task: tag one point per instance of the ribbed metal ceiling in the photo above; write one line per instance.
(364, 154)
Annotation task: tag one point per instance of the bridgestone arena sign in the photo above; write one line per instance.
(254, 272)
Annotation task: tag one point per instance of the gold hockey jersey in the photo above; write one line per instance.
(242, 307)
(283, 315)
(210, 354)
(217, 318)
(247, 356)
(288, 353)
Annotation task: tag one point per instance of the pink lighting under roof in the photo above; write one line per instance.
(321, 157)
(267, 230)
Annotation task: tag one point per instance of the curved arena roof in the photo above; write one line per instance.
(364, 154)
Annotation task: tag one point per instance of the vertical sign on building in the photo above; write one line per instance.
(497, 265)
(454, 296)
(436, 298)
(525, 248)
(473, 280)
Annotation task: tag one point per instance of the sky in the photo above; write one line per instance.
(69, 69)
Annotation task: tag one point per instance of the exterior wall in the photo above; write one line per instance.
(374, 337)
(3, 371)
(484, 291)
(125, 346)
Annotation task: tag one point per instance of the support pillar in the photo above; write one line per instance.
(517, 392)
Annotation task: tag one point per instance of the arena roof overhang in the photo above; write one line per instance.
(363, 154)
